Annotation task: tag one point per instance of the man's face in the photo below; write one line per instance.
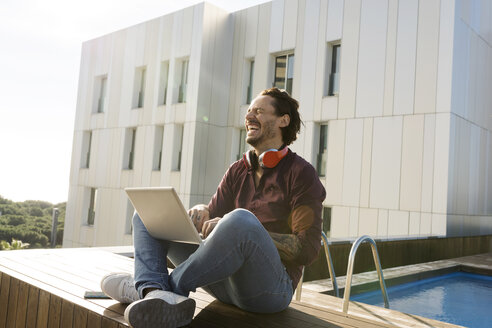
(262, 125)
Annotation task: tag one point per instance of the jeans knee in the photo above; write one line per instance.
(240, 219)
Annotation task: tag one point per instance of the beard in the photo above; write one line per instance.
(267, 132)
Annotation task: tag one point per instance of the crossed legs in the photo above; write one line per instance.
(238, 264)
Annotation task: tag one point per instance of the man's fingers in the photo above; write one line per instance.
(205, 228)
(208, 229)
(208, 226)
(199, 215)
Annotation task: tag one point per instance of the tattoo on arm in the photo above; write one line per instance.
(288, 245)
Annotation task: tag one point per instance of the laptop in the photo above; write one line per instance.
(163, 214)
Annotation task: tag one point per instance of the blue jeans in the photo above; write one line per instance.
(238, 264)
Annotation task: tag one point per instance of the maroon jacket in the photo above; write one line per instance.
(288, 200)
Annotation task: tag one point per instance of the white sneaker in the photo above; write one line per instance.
(120, 287)
(160, 309)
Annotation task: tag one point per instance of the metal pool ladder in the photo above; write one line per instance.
(350, 269)
(330, 269)
(330, 264)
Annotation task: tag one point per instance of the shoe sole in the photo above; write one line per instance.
(155, 312)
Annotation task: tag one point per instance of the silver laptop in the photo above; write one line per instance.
(163, 214)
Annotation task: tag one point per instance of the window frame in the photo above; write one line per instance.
(91, 210)
(158, 144)
(288, 78)
(322, 153)
(333, 59)
(86, 149)
(250, 77)
(163, 83)
(183, 80)
(139, 86)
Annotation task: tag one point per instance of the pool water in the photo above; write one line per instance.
(459, 298)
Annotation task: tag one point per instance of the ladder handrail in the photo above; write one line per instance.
(330, 264)
(350, 269)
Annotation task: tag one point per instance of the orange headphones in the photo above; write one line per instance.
(268, 159)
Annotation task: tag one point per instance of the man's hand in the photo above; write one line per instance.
(208, 226)
(199, 214)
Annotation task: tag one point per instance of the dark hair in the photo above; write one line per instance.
(285, 104)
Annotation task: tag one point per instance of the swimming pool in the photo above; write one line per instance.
(459, 298)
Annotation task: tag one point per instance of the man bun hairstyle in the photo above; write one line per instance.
(285, 104)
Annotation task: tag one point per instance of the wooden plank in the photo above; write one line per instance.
(200, 322)
(66, 314)
(108, 323)
(226, 315)
(38, 266)
(23, 297)
(43, 309)
(54, 314)
(32, 305)
(79, 317)
(208, 318)
(53, 285)
(286, 319)
(12, 305)
(4, 299)
(101, 264)
(93, 320)
(48, 274)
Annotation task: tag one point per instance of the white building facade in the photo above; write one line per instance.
(394, 95)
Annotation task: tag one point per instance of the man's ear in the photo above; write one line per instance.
(284, 120)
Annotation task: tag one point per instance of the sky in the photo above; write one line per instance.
(40, 47)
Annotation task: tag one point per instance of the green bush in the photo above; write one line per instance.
(30, 222)
(15, 220)
(36, 211)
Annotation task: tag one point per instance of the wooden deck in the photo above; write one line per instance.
(45, 288)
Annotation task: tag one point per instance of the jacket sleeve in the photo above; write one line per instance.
(307, 203)
(222, 201)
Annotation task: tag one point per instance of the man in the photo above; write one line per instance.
(261, 226)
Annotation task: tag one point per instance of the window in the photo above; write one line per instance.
(158, 140)
(129, 148)
(323, 150)
(178, 148)
(163, 83)
(284, 72)
(183, 82)
(242, 144)
(91, 213)
(129, 217)
(326, 215)
(249, 89)
(100, 87)
(333, 64)
(86, 149)
(139, 88)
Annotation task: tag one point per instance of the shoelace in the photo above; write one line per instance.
(129, 290)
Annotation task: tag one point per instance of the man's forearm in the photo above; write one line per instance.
(288, 245)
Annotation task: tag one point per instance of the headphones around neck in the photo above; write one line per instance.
(268, 159)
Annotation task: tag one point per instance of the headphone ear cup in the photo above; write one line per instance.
(271, 158)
